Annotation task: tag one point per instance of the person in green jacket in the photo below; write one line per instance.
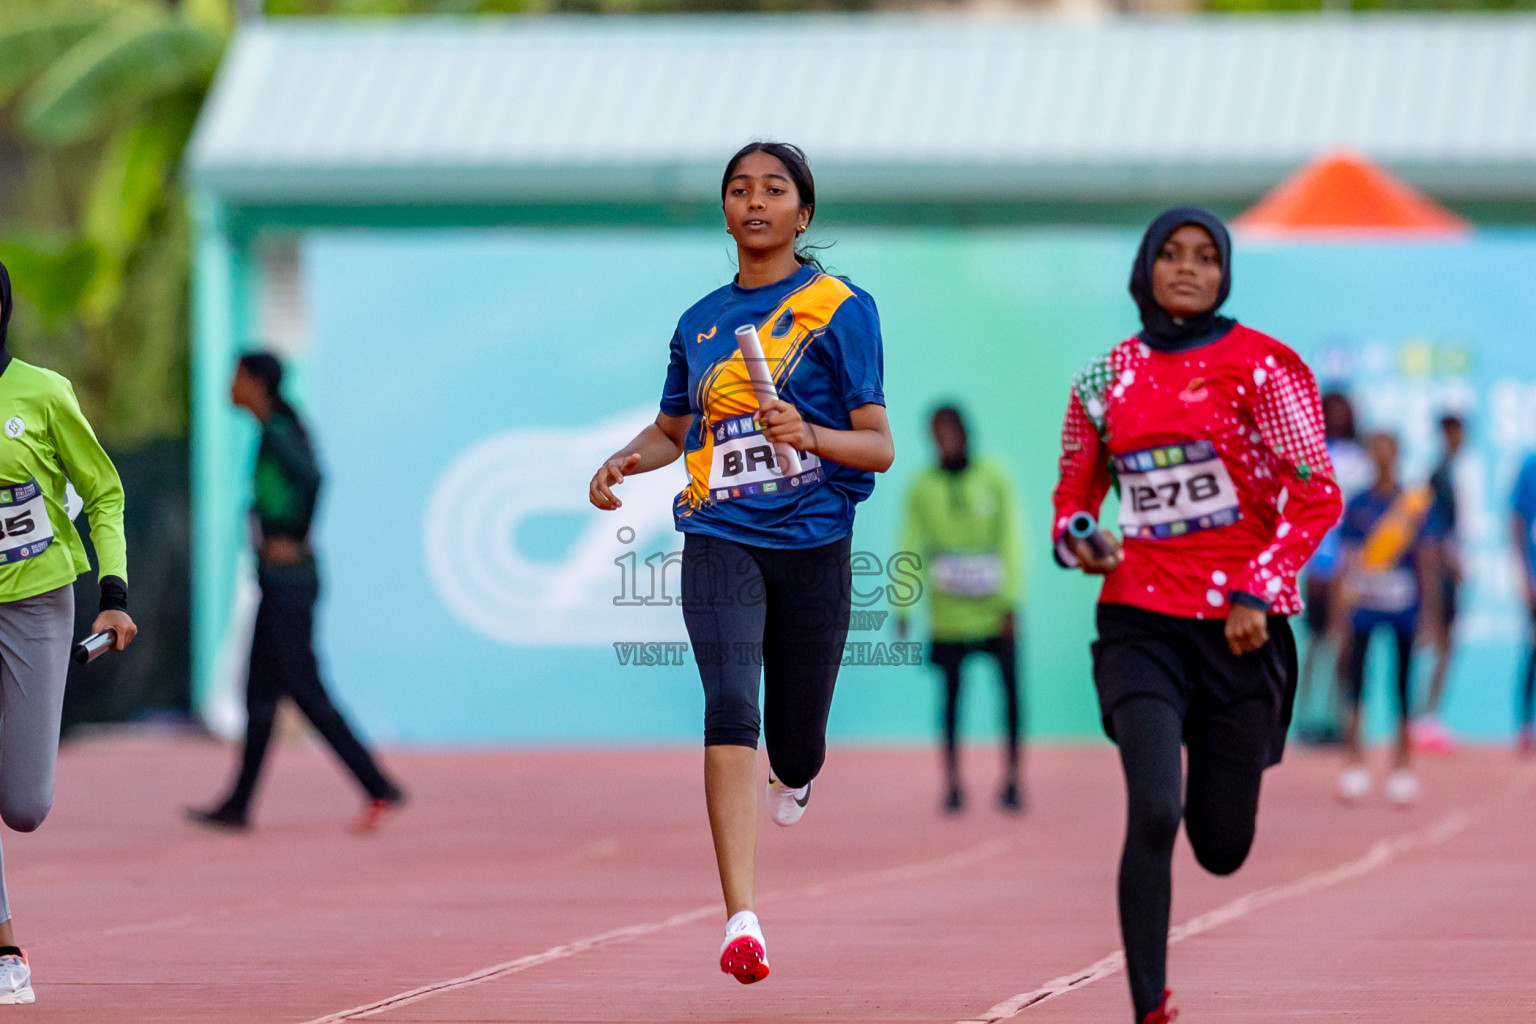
(286, 488)
(962, 524)
(46, 446)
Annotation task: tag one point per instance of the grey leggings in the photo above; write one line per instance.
(35, 636)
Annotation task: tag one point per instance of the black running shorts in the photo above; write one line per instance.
(1235, 710)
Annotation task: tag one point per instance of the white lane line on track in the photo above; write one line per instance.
(900, 873)
(1381, 853)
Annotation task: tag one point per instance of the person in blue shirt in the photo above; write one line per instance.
(766, 574)
(1387, 540)
(1523, 523)
(1327, 628)
(1429, 731)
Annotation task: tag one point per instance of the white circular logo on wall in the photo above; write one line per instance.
(15, 427)
(489, 584)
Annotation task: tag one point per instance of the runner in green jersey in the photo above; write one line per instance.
(46, 446)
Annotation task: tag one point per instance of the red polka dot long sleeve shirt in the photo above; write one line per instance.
(1219, 459)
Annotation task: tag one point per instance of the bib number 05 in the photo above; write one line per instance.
(25, 529)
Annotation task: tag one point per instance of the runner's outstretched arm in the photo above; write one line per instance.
(657, 445)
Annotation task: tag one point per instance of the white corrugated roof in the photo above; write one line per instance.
(938, 107)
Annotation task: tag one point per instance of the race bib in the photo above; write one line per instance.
(1173, 490)
(967, 575)
(25, 530)
(1389, 590)
(744, 463)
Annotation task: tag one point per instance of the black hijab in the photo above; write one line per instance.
(5, 315)
(1160, 331)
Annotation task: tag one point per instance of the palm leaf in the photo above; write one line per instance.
(130, 187)
(52, 274)
(36, 36)
(129, 61)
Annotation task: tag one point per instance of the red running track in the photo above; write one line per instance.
(579, 886)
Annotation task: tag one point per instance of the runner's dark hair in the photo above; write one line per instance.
(267, 370)
(794, 160)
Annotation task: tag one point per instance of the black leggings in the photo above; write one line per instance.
(1359, 647)
(779, 616)
(1219, 812)
(949, 655)
(1525, 709)
(283, 663)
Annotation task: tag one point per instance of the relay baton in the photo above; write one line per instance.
(94, 646)
(1085, 528)
(761, 377)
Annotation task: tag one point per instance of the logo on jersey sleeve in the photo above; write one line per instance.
(15, 427)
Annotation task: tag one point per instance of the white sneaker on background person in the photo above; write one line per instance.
(15, 978)
(787, 805)
(1354, 784)
(1403, 787)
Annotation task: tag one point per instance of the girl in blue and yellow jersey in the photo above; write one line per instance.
(766, 581)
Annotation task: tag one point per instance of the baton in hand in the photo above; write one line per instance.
(94, 646)
(1085, 528)
(761, 376)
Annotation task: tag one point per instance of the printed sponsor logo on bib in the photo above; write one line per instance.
(1388, 590)
(745, 464)
(1173, 490)
(967, 575)
(25, 530)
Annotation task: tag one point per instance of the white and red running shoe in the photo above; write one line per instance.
(744, 955)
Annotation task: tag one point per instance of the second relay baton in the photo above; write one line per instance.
(94, 646)
(1085, 528)
(761, 375)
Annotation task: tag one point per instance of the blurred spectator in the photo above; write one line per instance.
(1524, 523)
(1385, 534)
(1444, 565)
(961, 522)
(1326, 627)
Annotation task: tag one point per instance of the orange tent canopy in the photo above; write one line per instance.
(1344, 194)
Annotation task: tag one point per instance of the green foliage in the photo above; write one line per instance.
(102, 97)
(117, 70)
(1423, 6)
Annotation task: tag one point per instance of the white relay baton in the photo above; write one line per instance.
(761, 377)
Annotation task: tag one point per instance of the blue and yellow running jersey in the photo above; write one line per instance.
(821, 336)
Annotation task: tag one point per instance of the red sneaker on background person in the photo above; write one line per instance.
(1430, 736)
(375, 813)
(1164, 1014)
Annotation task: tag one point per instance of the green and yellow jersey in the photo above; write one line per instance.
(963, 526)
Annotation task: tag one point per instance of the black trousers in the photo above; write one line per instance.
(949, 655)
(283, 664)
(1525, 703)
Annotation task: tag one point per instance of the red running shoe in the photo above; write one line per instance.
(1164, 1014)
(744, 955)
(375, 814)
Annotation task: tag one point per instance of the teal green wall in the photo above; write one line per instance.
(429, 342)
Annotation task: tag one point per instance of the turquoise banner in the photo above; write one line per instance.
(465, 385)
